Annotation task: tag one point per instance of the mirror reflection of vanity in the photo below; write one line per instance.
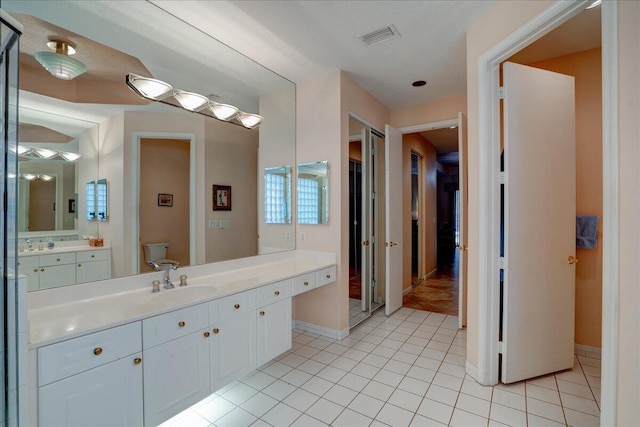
(112, 190)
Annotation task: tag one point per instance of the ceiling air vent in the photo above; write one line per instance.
(381, 35)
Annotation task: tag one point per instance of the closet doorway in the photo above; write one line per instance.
(366, 220)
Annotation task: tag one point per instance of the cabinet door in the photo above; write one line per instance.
(28, 266)
(233, 349)
(92, 271)
(176, 375)
(57, 275)
(274, 330)
(109, 395)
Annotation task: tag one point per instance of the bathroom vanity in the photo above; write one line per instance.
(114, 353)
(69, 263)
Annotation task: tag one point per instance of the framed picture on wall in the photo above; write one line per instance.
(221, 197)
(165, 199)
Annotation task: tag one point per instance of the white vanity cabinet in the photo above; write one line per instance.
(233, 339)
(92, 266)
(92, 380)
(52, 270)
(176, 354)
(274, 330)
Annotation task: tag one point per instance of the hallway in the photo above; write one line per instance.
(439, 293)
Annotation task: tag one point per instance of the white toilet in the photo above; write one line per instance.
(157, 252)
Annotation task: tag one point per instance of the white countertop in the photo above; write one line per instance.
(59, 248)
(55, 315)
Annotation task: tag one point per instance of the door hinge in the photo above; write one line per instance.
(500, 347)
(502, 178)
(501, 92)
(373, 240)
(373, 195)
(502, 262)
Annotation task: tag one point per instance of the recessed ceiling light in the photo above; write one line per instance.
(419, 83)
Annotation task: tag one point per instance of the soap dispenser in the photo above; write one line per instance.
(51, 243)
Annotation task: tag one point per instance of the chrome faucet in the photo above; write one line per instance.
(166, 268)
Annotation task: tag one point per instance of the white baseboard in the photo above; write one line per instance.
(431, 273)
(321, 330)
(406, 291)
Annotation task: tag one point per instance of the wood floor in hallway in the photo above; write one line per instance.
(439, 293)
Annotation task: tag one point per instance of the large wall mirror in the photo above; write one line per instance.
(157, 163)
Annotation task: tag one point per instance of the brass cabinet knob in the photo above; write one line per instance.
(42, 269)
(58, 259)
(572, 260)
(35, 270)
(306, 283)
(79, 265)
(237, 306)
(328, 276)
(181, 324)
(216, 330)
(277, 293)
(97, 351)
(137, 361)
(262, 313)
(93, 256)
(207, 334)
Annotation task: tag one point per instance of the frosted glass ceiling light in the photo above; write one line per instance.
(45, 153)
(191, 101)
(223, 111)
(69, 157)
(21, 150)
(28, 176)
(149, 88)
(45, 177)
(59, 63)
(594, 4)
(248, 120)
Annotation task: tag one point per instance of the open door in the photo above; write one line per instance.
(393, 220)
(462, 229)
(540, 199)
(365, 222)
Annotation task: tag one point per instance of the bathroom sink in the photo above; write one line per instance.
(177, 296)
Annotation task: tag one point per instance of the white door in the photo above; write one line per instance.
(393, 199)
(540, 200)
(462, 229)
(365, 221)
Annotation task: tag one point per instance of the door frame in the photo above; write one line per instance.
(421, 220)
(135, 192)
(557, 13)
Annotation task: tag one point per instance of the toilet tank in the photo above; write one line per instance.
(154, 251)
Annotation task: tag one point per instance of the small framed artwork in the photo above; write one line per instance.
(72, 206)
(221, 197)
(165, 199)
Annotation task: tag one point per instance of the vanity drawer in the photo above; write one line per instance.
(166, 327)
(325, 276)
(67, 358)
(28, 261)
(233, 305)
(304, 283)
(274, 292)
(57, 259)
(87, 256)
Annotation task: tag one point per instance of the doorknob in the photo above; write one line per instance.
(365, 243)
(572, 260)
(390, 244)
(463, 248)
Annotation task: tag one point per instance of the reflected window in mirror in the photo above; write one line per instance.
(313, 193)
(90, 197)
(101, 200)
(277, 195)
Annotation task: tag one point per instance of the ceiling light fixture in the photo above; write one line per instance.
(45, 153)
(596, 3)
(157, 90)
(59, 63)
(32, 177)
(149, 88)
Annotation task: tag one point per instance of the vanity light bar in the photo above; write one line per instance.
(32, 177)
(157, 90)
(45, 153)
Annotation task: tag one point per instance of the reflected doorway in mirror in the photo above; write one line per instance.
(221, 197)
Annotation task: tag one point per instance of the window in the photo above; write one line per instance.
(276, 198)
(308, 201)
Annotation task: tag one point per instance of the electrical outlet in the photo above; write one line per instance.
(214, 223)
(303, 236)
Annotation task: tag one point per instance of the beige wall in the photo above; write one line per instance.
(427, 208)
(586, 67)
(497, 24)
(432, 111)
(628, 378)
(164, 168)
(231, 156)
(323, 106)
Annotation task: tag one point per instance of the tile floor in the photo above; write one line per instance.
(405, 370)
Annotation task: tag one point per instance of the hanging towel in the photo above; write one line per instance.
(586, 231)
